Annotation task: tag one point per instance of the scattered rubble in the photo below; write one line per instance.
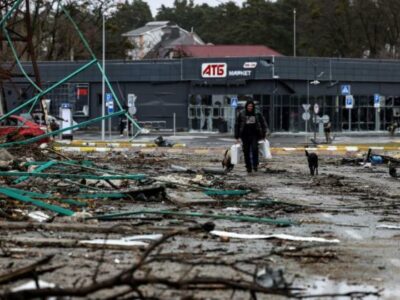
(167, 226)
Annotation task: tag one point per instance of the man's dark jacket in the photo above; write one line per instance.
(261, 125)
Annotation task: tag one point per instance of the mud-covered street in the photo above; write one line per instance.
(188, 231)
(239, 149)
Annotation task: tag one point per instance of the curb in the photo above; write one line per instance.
(111, 145)
(148, 148)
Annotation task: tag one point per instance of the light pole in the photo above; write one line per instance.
(308, 105)
(294, 32)
(315, 82)
(103, 86)
(274, 77)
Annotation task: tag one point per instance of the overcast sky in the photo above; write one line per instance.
(155, 4)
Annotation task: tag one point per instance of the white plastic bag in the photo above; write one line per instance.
(235, 154)
(265, 149)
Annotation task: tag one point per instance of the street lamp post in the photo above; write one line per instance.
(103, 86)
(294, 32)
(315, 109)
(308, 104)
(314, 82)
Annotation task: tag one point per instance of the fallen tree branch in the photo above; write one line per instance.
(70, 227)
(26, 271)
(128, 278)
(351, 295)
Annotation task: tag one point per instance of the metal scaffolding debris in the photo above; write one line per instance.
(33, 101)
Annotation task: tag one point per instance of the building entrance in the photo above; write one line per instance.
(211, 113)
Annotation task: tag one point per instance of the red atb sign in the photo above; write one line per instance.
(213, 70)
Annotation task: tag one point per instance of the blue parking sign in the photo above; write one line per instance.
(110, 108)
(349, 101)
(108, 97)
(109, 103)
(377, 100)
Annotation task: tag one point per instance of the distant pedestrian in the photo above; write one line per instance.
(122, 124)
(54, 125)
(250, 127)
(392, 128)
(327, 131)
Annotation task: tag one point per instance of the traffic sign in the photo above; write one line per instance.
(108, 97)
(306, 116)
(377, 100)
(109, 103)
(131, 104)
(66, 105)
(316, 108)
(322, 120)
(346, 89)
(132, 110)
(234, 102)
(325, 118)
(306, 107)
(349, 101)
(110, 108)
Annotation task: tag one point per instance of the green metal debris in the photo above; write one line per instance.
(9, 13)
(48, 90)
(86, 44)
(33, 101)
(19, 63)
(37, 170)
(86, 163)
(241, 218)
(17, 196)
(47, 196)
(30, 194)
(101, 195)
(216, 192)
(75, 176)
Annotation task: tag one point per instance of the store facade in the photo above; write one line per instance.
(205, 94)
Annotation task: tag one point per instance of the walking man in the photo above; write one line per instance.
(250, 127)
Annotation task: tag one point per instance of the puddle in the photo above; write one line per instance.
(320, 285)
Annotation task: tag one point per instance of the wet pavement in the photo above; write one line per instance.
(276, 139)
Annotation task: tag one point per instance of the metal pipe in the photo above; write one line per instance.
(9, 13)
(48, 90)
(86, 44)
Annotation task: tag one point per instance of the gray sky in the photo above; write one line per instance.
(155, 4)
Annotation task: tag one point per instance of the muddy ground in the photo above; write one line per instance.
(344, 202)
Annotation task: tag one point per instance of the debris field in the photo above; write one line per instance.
(160, 224)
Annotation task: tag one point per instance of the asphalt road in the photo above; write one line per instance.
(223, 140)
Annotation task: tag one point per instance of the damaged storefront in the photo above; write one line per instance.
(204, 94)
